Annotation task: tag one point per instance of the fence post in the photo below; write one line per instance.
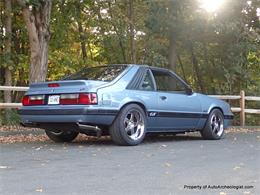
(242, 107)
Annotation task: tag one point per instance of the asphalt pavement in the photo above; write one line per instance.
(182, 164)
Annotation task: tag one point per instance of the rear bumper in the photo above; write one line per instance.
(71, 115)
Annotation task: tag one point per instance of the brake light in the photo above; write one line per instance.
(33, 100)
(26, 100)
(53, 85)
(90, 98)
(82, 98)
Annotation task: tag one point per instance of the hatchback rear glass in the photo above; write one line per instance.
(98, 73)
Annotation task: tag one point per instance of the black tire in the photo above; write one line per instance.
(129, 127)
(214, 127)
(61, 136)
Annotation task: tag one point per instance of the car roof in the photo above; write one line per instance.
(154, 68)
(138, 65)
(143, 65)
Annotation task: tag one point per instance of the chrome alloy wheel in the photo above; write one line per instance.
(216, 123)
(134, 124)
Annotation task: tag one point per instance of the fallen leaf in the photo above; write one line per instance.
(164, 146)
(236, 168)
(4, 167)
(167, 164)
(39, 190)
(222, 193)
(149, 155)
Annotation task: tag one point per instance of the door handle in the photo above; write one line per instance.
(163, 97)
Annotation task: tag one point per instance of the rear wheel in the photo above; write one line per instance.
(61, 136)
(130, 126)
(214, 128)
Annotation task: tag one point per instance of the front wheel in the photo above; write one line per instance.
(130, 126)
(61, 136)
(214, 128)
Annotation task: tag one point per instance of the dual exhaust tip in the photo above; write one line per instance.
(90, 130)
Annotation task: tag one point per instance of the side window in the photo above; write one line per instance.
(167, 82)
(147, 83)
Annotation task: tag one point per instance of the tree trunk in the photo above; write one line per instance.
(196, 68)
(132, 31)
(208, 64)
(37, 22)
(119, 35)
(82, 41)
(82, 35)
(182, 68)
(172, 52)
(8, 43)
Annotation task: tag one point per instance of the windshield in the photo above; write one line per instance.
(98, 73)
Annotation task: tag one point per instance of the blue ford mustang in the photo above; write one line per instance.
(124, 101)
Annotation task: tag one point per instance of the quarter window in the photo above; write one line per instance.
(147, 83)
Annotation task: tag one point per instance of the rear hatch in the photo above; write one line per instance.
(67, 86)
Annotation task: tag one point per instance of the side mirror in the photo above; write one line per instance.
(189, 91)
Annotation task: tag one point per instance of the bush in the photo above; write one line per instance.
(9, 117)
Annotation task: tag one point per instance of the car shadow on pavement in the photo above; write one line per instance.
(172, 137)
(150, 138)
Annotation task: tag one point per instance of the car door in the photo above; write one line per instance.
(176, 109)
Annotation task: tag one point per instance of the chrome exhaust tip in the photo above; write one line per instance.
(90, 130)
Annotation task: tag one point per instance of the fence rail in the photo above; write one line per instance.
(242, 101)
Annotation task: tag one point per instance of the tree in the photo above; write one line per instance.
(7, 48)
(132, 31)
(37, 18)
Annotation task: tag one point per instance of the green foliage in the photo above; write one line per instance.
(218, 53)
(14, 118)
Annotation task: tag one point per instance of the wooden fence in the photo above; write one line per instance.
(242, 100)
(13, 88)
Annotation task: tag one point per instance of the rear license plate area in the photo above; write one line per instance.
(54, 99)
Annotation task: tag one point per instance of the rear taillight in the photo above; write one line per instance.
(90, 98)
(33, 100)
(82, 98)
(65, 99)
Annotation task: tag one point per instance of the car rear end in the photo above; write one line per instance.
(70, 102)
